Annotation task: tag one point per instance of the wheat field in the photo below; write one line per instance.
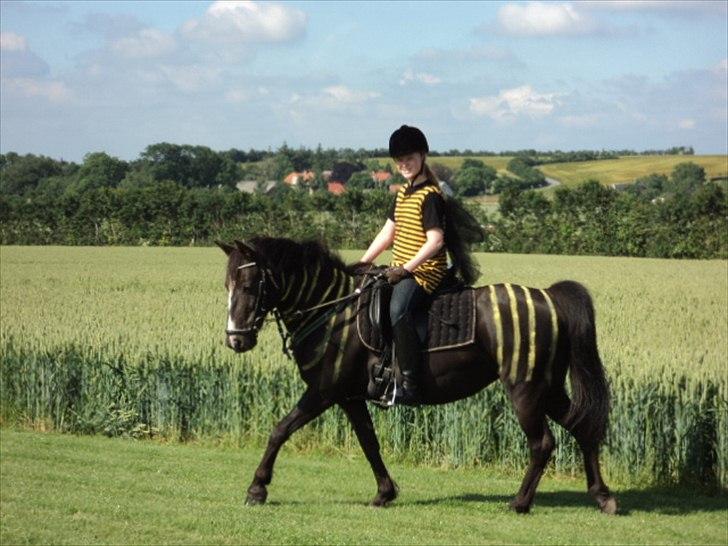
(129, 341)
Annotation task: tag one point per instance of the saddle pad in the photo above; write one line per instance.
(451, 322)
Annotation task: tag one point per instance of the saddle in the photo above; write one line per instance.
(449, 322)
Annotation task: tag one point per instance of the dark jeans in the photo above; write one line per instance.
(409, 300)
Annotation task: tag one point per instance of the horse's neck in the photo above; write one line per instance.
(311, 286)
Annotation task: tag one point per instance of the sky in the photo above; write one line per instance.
(82, 77)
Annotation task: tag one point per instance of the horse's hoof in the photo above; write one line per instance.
(609, 506)
(383, 498)
(256, 496)
(519, 507)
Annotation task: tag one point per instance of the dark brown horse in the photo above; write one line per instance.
(529, 338)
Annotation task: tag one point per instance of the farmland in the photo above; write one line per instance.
(628, 169)
(128, 341)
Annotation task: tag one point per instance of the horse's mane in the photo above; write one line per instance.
(285, 255)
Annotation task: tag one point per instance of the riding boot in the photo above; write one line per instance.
(408, 352)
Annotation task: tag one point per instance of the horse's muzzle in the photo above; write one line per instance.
(241, 342)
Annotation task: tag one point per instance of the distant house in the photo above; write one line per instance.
(381, 176)
(295, 178)
(251, 186)
(337, 188)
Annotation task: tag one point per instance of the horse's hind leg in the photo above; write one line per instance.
(310, 406)
(557, 409)
(358, 414)
(530, 409)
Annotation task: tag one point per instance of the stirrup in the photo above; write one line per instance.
(387, 400)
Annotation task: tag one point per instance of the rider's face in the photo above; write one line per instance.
(409, 165)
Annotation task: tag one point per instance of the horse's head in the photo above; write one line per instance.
(248, 295)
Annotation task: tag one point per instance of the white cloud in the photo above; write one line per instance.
(191, 78)
(145, 43)
(54, 91)
(585, 120)
(422, 77)
(544, 19)
(686, 123)
(9, 41)
(515, 102)
(340, 94)
(244, 21)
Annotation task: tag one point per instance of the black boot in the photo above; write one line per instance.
(408, 352)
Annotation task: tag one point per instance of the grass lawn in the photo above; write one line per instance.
(629, 168)
(65, 489)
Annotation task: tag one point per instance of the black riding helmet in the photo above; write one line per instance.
(407, 140)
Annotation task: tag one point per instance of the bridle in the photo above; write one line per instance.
(261, 309)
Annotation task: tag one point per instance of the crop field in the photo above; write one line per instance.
(129, 342)
(628, 169)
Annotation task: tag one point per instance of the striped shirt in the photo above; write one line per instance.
(410, 232)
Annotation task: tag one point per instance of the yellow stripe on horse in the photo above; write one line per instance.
(498, 326)
(327, 333)
(554, 335)
(516, 333)
(531, 334)
(314, 282)
(303, 286)
(342, 343)
(288, 289)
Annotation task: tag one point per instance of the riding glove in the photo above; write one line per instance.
(396, 274)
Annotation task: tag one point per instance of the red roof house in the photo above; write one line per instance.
(337, 188)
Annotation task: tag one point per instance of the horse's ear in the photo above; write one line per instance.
(226, 248)
(246, 249)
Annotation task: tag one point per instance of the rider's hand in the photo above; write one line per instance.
(396, 274)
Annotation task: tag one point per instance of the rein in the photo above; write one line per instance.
(298, 335)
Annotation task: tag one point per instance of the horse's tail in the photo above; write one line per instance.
(589, 388)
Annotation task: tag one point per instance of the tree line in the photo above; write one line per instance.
(186, 195)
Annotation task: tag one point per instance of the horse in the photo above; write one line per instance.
(528, 338)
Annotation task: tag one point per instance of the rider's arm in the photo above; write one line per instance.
(435, 242)
(381, 242)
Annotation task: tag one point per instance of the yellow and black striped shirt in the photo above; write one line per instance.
(409, 234)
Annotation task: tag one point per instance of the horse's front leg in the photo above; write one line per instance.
(310, 406)
(358, 414)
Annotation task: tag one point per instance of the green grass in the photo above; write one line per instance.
(63, 489)
(628, 169)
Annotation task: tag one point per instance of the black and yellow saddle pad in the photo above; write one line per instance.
(450, 320)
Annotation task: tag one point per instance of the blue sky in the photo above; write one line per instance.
(79, 77)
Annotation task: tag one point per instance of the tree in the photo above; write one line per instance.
(474, 179)
(99, 170)
(686, 178)
(20, 174)
(361, 180)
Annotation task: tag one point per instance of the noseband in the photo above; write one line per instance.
(260, 308)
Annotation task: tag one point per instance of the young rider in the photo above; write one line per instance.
(416, 227)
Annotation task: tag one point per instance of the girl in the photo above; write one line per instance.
(416, 227)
